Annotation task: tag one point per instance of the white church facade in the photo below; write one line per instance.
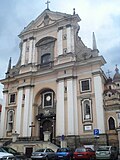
(57, 84)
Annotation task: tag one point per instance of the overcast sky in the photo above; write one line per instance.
(99, 16)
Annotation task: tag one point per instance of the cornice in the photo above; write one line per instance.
(67, 77)
(25, 86)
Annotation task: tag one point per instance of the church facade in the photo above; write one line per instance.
(57, 84)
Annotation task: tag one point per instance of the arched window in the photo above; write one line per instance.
(45, 50)
(111, 123)
(10, 120)
(86, 109)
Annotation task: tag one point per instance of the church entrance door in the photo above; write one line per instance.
(47, 125)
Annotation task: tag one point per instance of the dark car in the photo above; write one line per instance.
(84, 153)
(18, 155)
(46, 154)
(64, 154)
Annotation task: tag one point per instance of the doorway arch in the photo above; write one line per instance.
(47, 125)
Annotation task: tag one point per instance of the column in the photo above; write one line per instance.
(99, 103)
(3, 116)
(69, 42)
(75, 106)
(23, 53)
(34, 53)
(30, 118)
(26, 112)
(70, 39)
(60, 115)
(118, 118)
(70, 104)
(118, 130)
(30, 51)
(19, 111)
(59, 42)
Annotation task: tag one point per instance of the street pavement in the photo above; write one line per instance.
(118, 157)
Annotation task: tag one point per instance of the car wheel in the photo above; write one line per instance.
(46, 158)
(92, 158)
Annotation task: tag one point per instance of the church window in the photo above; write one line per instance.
(111, 123)
(45, 58)
(85, 85)
(47, 99)
(86, 110)
(10, 119)
(45, 50)
(12, 98)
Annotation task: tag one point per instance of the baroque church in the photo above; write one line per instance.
(58, 87)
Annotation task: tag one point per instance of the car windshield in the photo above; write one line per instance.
(80, 150)
(2, 150)
(40, 150)
(9, 150)
(103, 148)
(62, 150)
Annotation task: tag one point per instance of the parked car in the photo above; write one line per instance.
(107, 152)
(46, 154)
(18, 155)
(5, 156)
(84, 153)
(64, 154)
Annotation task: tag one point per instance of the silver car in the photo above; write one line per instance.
(107, 152)
(45, 154)
(5, 156)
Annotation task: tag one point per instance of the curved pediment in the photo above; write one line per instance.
(47, 18)
(45, 40)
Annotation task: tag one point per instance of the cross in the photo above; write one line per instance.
(116, 69)
(47, 4)
(108, 72)
(31, 126)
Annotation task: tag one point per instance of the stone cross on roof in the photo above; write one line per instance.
(47, 4)
(108, 73)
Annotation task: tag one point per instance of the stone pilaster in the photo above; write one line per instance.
(23, 53)
(99, 102)
(19, 111)
(59, 42)
(3, 116)
(60, 115)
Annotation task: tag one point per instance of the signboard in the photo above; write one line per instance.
(96, 132)
(62, 137)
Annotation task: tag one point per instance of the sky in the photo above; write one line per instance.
(99, 16)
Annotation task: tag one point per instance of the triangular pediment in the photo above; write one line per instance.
(46, 18)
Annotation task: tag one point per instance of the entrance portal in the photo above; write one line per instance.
(47, 125)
